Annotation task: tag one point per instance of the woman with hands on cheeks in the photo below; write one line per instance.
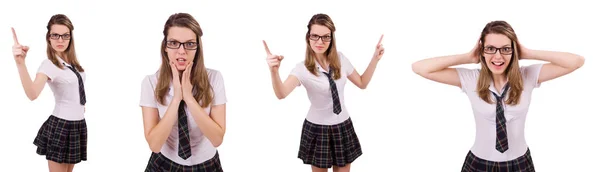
(183, 103)
(499, 92)
(328, 138)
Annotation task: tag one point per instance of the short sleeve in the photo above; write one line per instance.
(531, 74)
(347, 67)
(468, 78)
(147, 98)
(48, 68)
(218, 86)
(297, 72)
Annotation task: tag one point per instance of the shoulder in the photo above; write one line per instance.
(472, 72)
(46, 63)
(213, 72)
(214, 75)
(151, 78)
(530, 69)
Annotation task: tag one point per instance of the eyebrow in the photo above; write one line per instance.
(189, 40)
(59, 34)
(327, 34)
(506, 45)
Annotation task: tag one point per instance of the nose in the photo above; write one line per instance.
(497, 54)
(60, 39)
(320, 41)
(181, 50)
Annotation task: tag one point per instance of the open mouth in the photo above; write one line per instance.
(497, 63)
(181, 61)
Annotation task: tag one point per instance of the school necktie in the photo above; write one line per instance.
(501, 135)
(184, 150)
(82, 99)
(337, 108)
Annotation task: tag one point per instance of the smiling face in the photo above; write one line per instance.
(181, 46)
(59, 37)
(497, 52)
(319, 38)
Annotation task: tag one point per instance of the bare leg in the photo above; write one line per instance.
(56, 167)
(70, 167)
(342, 169)
(317, 169)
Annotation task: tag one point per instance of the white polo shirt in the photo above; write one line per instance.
(202, 148)
(65, 86)
(319, 93)
(485, 115)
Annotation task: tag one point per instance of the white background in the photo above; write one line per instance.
(404, 122)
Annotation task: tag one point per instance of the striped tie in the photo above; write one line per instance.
(501, 136)
(337, 108)
(82, 99)
(184, 151)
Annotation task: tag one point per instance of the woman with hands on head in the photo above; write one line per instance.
(499, 92)
(62, 139)
(328, 138)
(183, 103)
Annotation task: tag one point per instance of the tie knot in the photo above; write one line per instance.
(328, 74)
(503, 93)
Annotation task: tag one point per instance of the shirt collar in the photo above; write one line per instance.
(61, 61)
(498, 92)
(320, 68)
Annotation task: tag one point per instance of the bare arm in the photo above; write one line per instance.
(212, 126)
(561, 63)
(283, 89)
(32, 88)
(157, 130)
(438, 68)
(361, 81)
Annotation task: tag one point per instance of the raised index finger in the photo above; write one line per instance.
(266, 48)
(381, 38)
(14, 36)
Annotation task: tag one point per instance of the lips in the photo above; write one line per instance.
(60, 46)
(497, 63)
(181, 61)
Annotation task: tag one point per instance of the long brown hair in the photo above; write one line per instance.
(331, 54)
(71, 57)
(513, 72)
(201, 87)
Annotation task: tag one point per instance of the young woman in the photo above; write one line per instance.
(183, 103)
(500, 93)
(63, 137)
(328, 137)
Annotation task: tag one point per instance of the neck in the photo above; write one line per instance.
(63, 57)
(320, 56)
(499, 79)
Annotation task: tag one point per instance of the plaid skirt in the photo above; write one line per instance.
(159, 163)
(324, 146)
(62, 141)
(523, 163)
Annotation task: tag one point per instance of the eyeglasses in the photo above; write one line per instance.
(56, 36)
(316, 37)
(186, 45)
(493, 50)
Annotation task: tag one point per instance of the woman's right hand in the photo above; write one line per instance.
(177, 93)
(19, 51)
(274, 61)
(475, 54)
